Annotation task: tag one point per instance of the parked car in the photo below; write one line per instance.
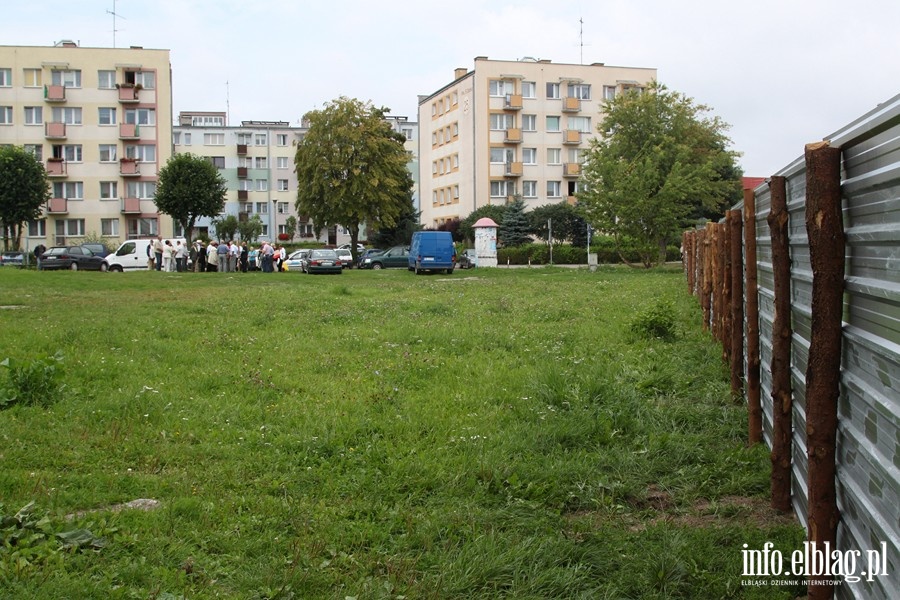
(367, 253)
(296, 260)
(432, 251)
(393, 258)
(97, 249)
(71, 257)
(359, 247)
(323, 261)
(468, 259)
(346, 257)
(12, 259)
(132, 255)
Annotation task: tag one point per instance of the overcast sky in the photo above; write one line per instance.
(782, 73)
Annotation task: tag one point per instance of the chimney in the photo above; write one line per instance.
(460, 72)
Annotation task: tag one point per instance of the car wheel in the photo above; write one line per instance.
(116, 269)
(376, 265)
(449, 271)
(104, 268)
(74, 266)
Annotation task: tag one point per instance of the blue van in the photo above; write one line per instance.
(432, 251)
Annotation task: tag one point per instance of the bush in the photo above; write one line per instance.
(656, 322)
(539, 254)
(34, 382)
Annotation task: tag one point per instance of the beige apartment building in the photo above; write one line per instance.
(512, 128)
(100, 119)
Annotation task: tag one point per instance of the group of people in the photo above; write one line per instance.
(222, 257)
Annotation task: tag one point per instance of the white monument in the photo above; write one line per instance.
(486, 242)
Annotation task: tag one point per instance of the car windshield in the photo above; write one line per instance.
(323, 254)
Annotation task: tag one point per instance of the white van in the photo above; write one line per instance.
(132, 255)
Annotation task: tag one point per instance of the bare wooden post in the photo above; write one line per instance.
(715, 254)
(754, 405)
(781, 348)
(706, 278)
(826, 249)
(725, 330)
(736, 280)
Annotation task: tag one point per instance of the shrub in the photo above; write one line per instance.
(656, 321)
(539, 254)
(34, 382)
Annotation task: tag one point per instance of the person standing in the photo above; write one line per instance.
(233, 253)
(38, 253)
(158, 252)
(222, 257)
(180, 257)
(211, 257)
(245, 255)
(168, 257)
(200, 265)
(267, 253)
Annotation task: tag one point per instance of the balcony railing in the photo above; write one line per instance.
(129, 131)
(242, 172)
(55, 93)
(243, 194)
(242, 149)
(129, 167)
(513, 102)
(56, 167)
(513, 169)
(129, 94)
(572, 169)
(571, 105)
(131, 206)
(55, 130)
(58, 206)
(513, 136)
(572, 137)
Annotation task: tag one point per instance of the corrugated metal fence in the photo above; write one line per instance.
(868, 436)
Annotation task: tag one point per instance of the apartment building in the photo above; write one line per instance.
(512, 128)
(409, 130)
(256, 159)
(100, 121)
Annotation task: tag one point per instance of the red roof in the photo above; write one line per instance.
(751, 183)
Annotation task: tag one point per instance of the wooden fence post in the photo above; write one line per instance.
(736, 293)
(754, 406)
(707, 276)
(725, 331)
(782, 398)
(827, 250)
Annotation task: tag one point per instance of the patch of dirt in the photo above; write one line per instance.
(139, 504)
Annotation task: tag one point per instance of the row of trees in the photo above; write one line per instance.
(659, 162)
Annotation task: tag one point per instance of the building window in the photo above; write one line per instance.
(68, 152)
(140, 189)
(582, 91)
(6, 115)
(245, 139)
(281, 139)
(262, 208)
(70, 79)
(498, 156)
(529, 189)
(553, 188)
(247, 207)
(552, 91)
(217, 161)
(455, 193)
(582, 124)
(553, 156)
(187, 138)
(70, 190)
(141, 116)
(498, 189)
(407, 133)
(576, 155)
(282, 162)
(609, 92)
(262, 185)
(261, 162)
(106, 80)
(109, 190)
(282, 185)
(455, 161)
(5, 77)
(107, 116)
(529, 122)
(67, 114)
(34, 115)
(176, 138)
(214, 139)
(208, 121)
(109, 227)
(141, 152)
(529, 156)
(245, 185)
(529, 89)
(501, 122)
(282, 208)
(108, 152)
(146, 79)
(70, 227)
(501, 87)
(260, 139)
(33, 78)
(141, 227)
(552, 123)
(37, 150)
(37, 228)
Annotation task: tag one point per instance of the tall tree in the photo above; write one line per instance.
(23, 192)
(514, 228)
(565, 223)
(658, 160)
(352, 168)
(190, 187)
(400, 233)
(250, 229)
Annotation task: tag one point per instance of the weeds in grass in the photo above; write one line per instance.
(31, 382)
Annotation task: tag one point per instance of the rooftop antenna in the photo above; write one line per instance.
(581, 39)
(115, 16)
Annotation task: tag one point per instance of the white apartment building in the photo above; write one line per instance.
(512, 128)
(409, 130)
(100, 121)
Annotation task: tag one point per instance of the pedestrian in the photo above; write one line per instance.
(233, 253)
(222, 257)
(168, 257)
(245, 255)
(38, 253)
(180, 257)
(267, 252)
(200, 265)
(211, 257)
(158, 252)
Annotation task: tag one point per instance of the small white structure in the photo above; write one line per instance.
(486, 242)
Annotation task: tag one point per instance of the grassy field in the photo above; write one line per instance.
(492, 434)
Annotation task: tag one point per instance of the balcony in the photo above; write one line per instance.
(242, 172)
(242, 149)
(58, 206)
(129, 131)
(513, 136)
(55, 93)
(128, 94)
(129, 167)
(243, 194)
(572, 137)
(572, 169)
(513, 102)
(55, 131)
(571, 105)
(513, 169)
(56, 167)
(131, 206)
(243, 216)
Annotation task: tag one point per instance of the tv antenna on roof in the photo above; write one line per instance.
(115, 16)
(581, 40)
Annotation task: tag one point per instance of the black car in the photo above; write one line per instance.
(468, 259)
(96, 249)
(71, 257)
(396, 258)
(12, 259)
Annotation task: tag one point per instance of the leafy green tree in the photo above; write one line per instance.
(226, 227)
(491, 211)
(250, 229)
(514, 228)
(23, 192)
(190, 187)
(400, 233)
(352, 168)
(566, 223)
(290, 227)
(658, 158)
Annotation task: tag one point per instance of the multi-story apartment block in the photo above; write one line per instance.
(100, 121)
(512, 128)
(409, 130)
(256, 159)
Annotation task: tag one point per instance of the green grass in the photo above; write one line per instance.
(494, 434)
